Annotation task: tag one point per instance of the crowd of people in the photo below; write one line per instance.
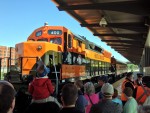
(79, 97)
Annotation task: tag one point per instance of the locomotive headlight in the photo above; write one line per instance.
(39, 48)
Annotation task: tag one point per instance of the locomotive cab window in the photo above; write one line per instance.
(56, 40)
(38, 33)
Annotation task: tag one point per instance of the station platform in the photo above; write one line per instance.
(117, 85)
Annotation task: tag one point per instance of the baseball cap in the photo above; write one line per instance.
(107, 89)
(45, 72)
(41, 66)
(139, 75)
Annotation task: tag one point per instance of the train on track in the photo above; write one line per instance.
(69, 56)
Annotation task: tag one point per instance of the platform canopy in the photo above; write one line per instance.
(122, 24)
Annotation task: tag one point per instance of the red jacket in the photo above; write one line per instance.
(40, 88)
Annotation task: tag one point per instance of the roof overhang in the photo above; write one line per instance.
(127, 22)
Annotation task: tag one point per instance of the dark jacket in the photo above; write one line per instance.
(81, 102)
(106, 106)
(49, 107)
(69, 110)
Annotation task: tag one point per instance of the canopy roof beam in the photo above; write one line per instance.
(133, 26)
(138, 7)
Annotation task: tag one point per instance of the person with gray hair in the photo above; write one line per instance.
(7, 97)
(90, 95)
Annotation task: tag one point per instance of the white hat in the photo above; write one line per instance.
(107, 89)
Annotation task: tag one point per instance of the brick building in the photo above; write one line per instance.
(5, 54)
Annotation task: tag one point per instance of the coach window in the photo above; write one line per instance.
(88, 66)
(108, 66)
(69, 41)
(67, 57)
(102, 66)
(100, 70)
(105, 67)
(92, 67)
(96, 68)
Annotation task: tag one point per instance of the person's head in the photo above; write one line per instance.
(79, 84)
(129, 76)
(128, 92)
(89, 88)
(69, 94)
(139, 76)
(7, 97)
(144, 109)
(42, 70)
(103, 79)
(107, 90)
(146, 80)
(115, 93)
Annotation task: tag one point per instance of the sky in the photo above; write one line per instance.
(19, 18)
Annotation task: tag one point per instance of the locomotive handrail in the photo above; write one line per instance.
(55, 74)
(28, 57)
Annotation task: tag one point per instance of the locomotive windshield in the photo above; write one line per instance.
(56, 40)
